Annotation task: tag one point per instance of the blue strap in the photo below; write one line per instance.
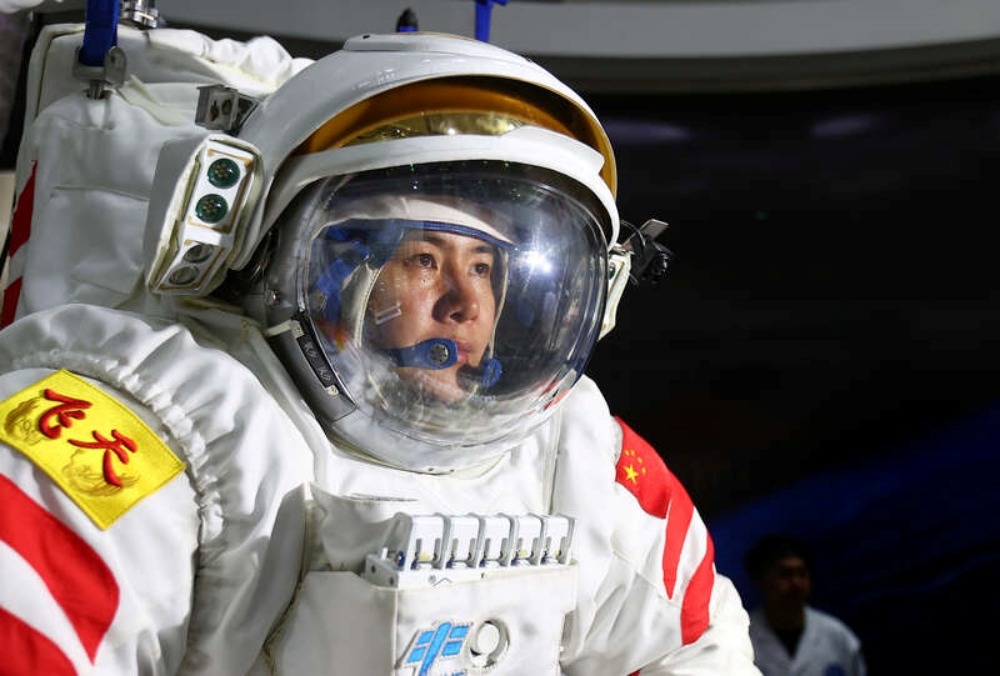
(101, 31)
(440, 353)
(483, 10)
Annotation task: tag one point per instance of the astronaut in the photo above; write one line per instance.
(293, 380)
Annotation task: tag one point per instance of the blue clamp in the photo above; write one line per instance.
(433, 354)
(100, 32)
(483, 10)
(99, 59)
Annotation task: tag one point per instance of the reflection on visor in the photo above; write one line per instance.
(453, 302)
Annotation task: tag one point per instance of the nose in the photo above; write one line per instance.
(460, 298)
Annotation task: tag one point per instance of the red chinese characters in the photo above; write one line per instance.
(52, 422)
(61, 416)
(112, 448)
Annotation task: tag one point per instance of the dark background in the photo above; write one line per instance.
(823, 358)
(834, 289)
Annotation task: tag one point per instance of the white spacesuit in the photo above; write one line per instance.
(299, 388)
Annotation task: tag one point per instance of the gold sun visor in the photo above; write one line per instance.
(462, 105)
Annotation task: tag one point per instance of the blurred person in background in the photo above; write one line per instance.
(791, 638)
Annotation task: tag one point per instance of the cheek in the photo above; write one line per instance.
(400, 320)
(487, 307)
(384, 292)
(396, 288)
(387, 299)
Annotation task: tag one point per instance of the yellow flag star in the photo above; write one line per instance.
(631, 474)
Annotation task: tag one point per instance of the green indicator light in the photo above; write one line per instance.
(223, 173)
(211, 208)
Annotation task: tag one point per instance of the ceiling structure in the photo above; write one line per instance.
(663, 45)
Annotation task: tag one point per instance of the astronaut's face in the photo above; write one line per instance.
(437, 285)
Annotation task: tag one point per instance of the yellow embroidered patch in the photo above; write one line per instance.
(97, 450)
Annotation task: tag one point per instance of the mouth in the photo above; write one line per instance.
(464, 351)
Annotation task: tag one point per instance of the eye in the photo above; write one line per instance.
(423, 260)
(481, 269)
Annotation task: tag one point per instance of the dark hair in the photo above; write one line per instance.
(772, 547)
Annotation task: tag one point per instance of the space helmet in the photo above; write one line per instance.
(425, 242)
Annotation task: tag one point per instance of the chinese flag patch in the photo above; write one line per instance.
(97, 450)
(642, 471)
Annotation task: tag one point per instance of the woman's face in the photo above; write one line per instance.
(437, 285)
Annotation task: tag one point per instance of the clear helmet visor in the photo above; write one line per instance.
(453, 302)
